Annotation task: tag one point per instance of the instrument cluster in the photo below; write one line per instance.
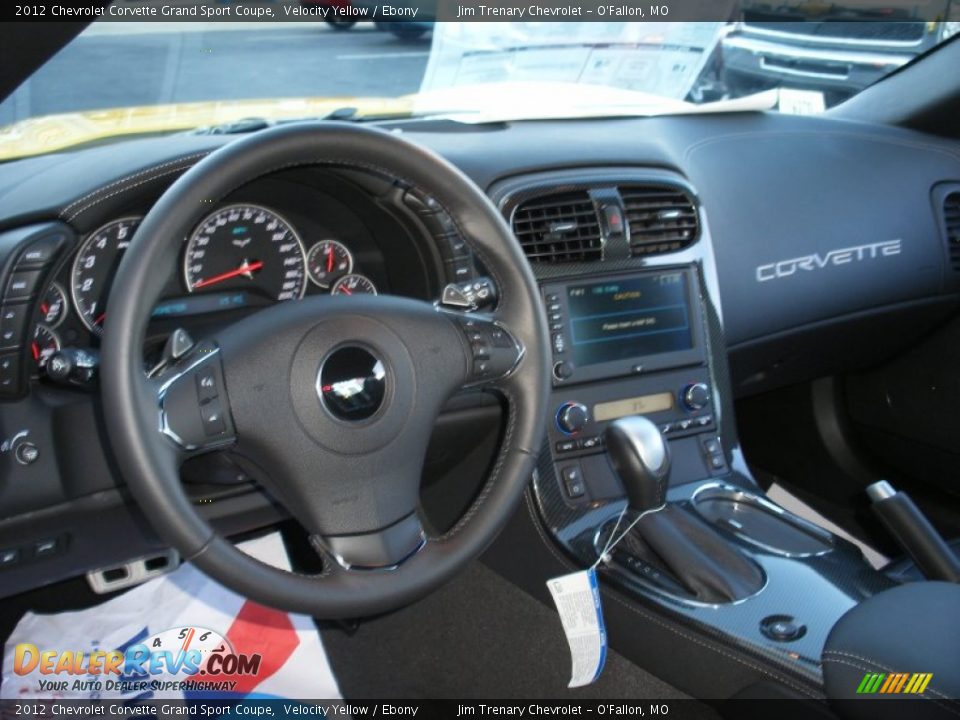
(240, 255)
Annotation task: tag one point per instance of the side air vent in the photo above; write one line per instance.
(661, 219)
(951, 220)
(559, 228)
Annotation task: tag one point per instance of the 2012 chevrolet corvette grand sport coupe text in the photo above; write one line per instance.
(515, 368)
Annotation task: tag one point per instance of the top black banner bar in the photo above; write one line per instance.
(429, 11)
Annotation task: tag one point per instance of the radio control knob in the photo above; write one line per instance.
(571, 418)
(696, 396)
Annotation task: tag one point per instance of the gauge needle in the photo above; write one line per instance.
(330, 261)
(246, 269)
(35, 349)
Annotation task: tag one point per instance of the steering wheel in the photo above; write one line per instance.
(328, 401)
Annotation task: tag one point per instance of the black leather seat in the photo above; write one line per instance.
(914, 628)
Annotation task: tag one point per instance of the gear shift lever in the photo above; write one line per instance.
(668, 536)
(641, 457)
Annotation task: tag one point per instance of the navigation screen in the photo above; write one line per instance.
(636, 317)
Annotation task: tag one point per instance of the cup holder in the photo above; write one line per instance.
(757, 521)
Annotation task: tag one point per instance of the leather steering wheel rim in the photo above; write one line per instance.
(151, 467)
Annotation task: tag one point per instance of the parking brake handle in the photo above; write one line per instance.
(914, 532)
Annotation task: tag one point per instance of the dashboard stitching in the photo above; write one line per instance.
(658, 621)
(870, 666)
(189, 159)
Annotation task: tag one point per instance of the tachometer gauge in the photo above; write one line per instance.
(45, 343)
(53, 306)
(354, 285)
(246, 247)
(328, 261)
(94, 267)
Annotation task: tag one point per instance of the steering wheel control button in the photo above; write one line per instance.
(493, 351)
(23, 284)
(9, 374)
(696, 396)
(13, 322)
(573, 483)
(211, 414)
(194, 409)
(206, 385)
(352, 384)
(572, 417)
(40, 252)
(782, 628)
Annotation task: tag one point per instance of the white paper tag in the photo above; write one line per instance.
(577, 597)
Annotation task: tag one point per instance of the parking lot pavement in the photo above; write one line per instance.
(152, 63)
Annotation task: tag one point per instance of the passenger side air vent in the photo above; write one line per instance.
(559, 228)
(951, 221)
(661, 219)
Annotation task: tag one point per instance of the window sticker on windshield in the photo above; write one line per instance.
(577, 597)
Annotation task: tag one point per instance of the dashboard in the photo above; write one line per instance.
(782, 209)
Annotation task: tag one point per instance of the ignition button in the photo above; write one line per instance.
(782, 628)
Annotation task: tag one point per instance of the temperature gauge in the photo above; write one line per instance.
(45, 343)
(328, 261)
(354, 285)
(53, 306)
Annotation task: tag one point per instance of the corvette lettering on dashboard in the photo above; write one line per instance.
(816, 261)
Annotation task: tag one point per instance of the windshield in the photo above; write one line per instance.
(310, 58)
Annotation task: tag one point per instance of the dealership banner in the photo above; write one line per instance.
(428, 10)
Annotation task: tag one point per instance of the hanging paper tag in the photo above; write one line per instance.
(577, 597)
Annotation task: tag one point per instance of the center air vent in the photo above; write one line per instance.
(559, 228)
(661, 219)
(951, 221)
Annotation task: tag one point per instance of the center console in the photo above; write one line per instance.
(636, 330)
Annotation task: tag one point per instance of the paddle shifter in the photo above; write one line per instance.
(641, 457)
(669, 537)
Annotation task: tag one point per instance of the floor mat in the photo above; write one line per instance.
(791, 502)
(477, 637)
(179, 636)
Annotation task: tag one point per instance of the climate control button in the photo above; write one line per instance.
(572, 417)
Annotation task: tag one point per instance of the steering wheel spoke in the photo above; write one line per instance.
(493, 351)
(194, 410)
(384, 549)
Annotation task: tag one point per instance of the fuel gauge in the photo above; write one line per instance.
(354, 285)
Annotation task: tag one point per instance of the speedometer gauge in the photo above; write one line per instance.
(246, 247)
(94, 267)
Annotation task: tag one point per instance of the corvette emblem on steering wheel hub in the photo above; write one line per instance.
(351, 383)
